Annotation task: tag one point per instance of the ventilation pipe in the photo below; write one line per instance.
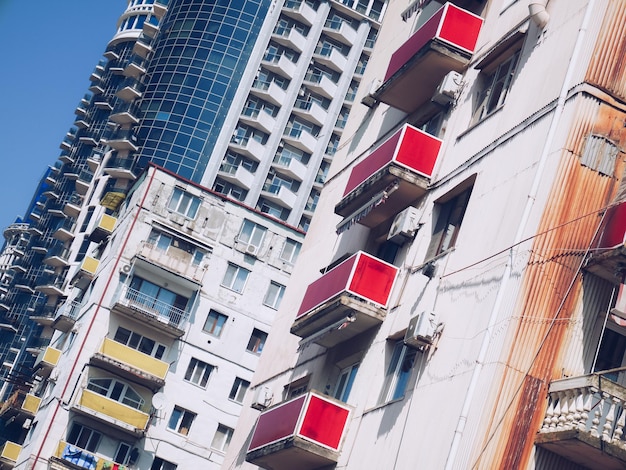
(538, 13)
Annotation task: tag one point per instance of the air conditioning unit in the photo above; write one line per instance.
(404, 226)
(27, 423)
(125, 269)
(421, 330)
(369, 100)
(448, 88)
(262, 398)
(251, 249)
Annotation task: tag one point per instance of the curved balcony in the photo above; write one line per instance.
(444, 43)
(135, 68)
(347, 300)
(306, 432)
(397, 173)
(131, 364)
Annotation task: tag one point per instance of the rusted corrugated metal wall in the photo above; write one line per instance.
(551, 288)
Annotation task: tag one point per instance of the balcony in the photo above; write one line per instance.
(131, 364)
(88, 140)
(96, 88)
(93, 162)
(320, 84)
(70, 456)
(150, 29)
(142, 46)
(331, 58)
(584, 422)
(86, 272)
(397, 173)
(258, 119)
(123, 139)
(443, 44)
(65, 231)
(609, 257)
(159, 8)
(174, 260)
(300, 10)
(247, 146)
(280, 65)
(121, 167)
(71, 173)
(279, 194)
(151, 311)
(58, 257)
(310, 110)
(51, 284)
(20, 406)
(73, 205)
(101, 102)
(290, 167)
(111, 412)
(269, 91)
(126, 114)
(131, 90)
(237, 175)
(66, 316)
(340, 31)
(83, 182)
(81, 123)
(290, 38)
(135, 68)
(304, 433)
(300, 138)
(347, 300)
(9, 453)
(103, 229)
(46, 361)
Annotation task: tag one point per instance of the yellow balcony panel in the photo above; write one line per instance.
(9, 453)
(114, 413)
(47, 360)
(86, 272)
(131, 364)
(105, 227)
(19, 406)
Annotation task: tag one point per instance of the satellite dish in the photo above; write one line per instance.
(158, 400)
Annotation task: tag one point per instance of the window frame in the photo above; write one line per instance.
(397, 376)
(184, 203)
(215, 324)
(225, 434)
(291, 250)
(274, 295)
(345, 381)
(257, 340)
(198, 372)
(236, 393)
(181, 416)
(232, 279)
(81, 435)
(125, 393)
(252, 233)
(136, 340)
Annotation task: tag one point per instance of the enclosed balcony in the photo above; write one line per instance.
(86, 272)
(609, 257)
(69, 456)
(116, 414)
(151, 311)
(9, 453)
(306, 432)
(46, 361)
(279, 64)
(175, 261)
(290, 38)
(20, 406)
(584, 422)
(121, 167)
(300, 10)
(321, 84)
(237, 175)
(123, 139)
(131, 364)
(396, 173)
(103, 229)
(444, 43)
(347, 300)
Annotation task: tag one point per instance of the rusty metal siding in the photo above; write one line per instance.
(607, 66)
(552, 288)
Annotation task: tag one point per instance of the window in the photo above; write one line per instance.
(158, 300)
(257, 341)
(165, 242)
(448, 222)
(251, 233)
(214, 323)
(184, 203)
(222, 437)
(235, 277)
(181, 420)
(122, 455)
(240, 387)
(290, 252)
(496, 85)
(198, 372)
(398, 372)
(611, 354)
(344, 384)
(83, 437)
(116, 390)
(274, 295)
(159, 464)
(139, 342)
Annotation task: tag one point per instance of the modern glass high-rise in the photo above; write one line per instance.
(246, 97)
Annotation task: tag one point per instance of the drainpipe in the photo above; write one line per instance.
(538, 13)
(506, 276)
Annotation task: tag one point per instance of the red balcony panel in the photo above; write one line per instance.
(444, 43)
(303, 433)
(362, 275)
(615, 230)
(409, 147)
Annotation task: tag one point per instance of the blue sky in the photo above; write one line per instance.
(48, 50)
